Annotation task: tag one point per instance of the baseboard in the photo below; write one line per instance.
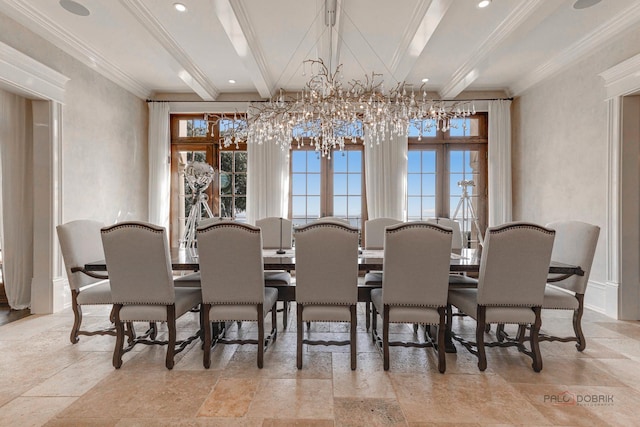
(602, 298)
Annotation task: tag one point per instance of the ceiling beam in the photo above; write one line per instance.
(468, 72)
(235, 21)
(425, 19)
(583, 47)
(202, 85)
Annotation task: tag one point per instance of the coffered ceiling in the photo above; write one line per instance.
(149, 47)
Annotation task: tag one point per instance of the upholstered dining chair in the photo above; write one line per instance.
(326, 280)
(277, 233)
(142, 288)
(193, 279)
(415, 284)
(575, 244)
(374, 239)
(80, 243)
(513, 272)
(232, 277)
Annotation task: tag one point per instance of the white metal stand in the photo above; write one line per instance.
(467, 207)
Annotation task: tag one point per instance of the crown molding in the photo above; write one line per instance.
(29, 76)
(468, 72)
(580, 49)
(42, 25)
(204, 87)
(622, 79)
(426, 18)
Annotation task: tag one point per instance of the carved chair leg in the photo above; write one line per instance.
(260, 336)
(131, 332)
(385, 337)
(285, 313)
(354, 348)
(577, 323)
(367, 314)
(117, 351)
(299, 335)
(112, 315)
(171, 344)
(500, 332)
(77, 317)
(535, 342)
(480, 328)
(522, 333)
(153, 330)
(374, 322)
(206, 360)
(442, 361)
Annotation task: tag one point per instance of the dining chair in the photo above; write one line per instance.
(190, 280)
(415, 284)
(326, 280)
(513, 272)
(332, 219)
(142, 288)
(233, 289)
(373, 240)
(575, 244)
(80, 243)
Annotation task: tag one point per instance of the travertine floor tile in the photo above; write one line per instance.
(230, 398)
(32, 411)
(368, 412)
(294, 399)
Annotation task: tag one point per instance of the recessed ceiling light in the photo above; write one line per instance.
(484, 3)
(583, 4)
(232, 81)
(425, 80)
(74, 7)
(180, 7)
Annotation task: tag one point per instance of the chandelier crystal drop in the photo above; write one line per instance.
(328, 112)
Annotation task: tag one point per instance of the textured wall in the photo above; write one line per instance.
(560, 144)
(104, 139)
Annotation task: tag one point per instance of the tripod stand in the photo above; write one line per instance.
(467, 207)
(195, 215)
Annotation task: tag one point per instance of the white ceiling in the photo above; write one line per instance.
(148, 47)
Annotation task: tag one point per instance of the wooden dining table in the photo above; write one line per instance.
(465, 262)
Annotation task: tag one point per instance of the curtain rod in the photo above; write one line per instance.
(262, 100)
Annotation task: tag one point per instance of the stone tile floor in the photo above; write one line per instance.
(48, 381)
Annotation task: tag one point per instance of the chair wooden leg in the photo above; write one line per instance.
(374, 322)
(367, 314)
(577, 323)
(274, 320)
(112, 315)
(354, 324)
(480, 327)
(77, 317)
(285, 314)
(206, 360)
(260, 336)
(171, 344)
(117, 351)
(131, 332)
(500, 332)
(535, 342)
(442, 361)
(522, 333)
(385, 337)
(299, 335)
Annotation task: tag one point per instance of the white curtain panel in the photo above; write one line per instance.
(159, 164)
(500, 203)
(385, 164)
(16, 159)
(267, 181)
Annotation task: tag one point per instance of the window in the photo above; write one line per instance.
(441, 166)
(192, 139)
(327, 187)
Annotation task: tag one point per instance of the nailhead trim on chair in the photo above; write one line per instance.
(400, 227)
(233, 225)
(143, 303)
(114, 227)
(233, 303)
(306, 227)
(324, 303)
(505, 227)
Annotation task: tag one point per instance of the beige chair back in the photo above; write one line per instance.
(456, 241)
(333, 219)
(416, 265)
(374, 231)
(575, 244)
(80, 243)
(138, 263)
(514, 265)
(231, 267)
(326, 263)
(272, 233)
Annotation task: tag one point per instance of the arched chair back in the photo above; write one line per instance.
(276, 232)
(456, 241)
(374, 231)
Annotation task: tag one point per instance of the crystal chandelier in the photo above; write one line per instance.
(328, 112)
